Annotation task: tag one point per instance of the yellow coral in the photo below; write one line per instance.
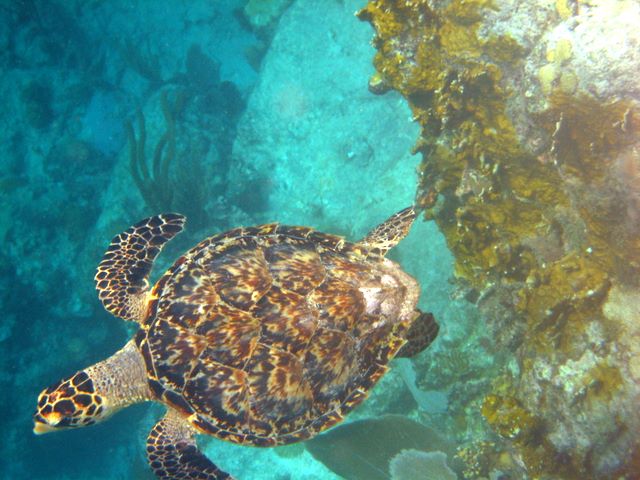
(568, 83)
(547, 76)
(564, 8)
(563, 50)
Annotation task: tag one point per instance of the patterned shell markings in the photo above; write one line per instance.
(262, 335)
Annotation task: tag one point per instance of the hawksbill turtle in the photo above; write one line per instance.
(262, 336)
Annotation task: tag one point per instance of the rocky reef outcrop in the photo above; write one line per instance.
(529, 116)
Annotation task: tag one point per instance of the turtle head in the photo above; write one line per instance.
(72, 402)
(95, 393)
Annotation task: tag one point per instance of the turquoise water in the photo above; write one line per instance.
(233, 113)
(270, 128)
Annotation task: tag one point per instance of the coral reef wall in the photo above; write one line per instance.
(531, 168)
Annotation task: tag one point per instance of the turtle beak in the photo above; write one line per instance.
(40, 427)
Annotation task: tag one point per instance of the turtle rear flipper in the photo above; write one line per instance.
(421, 334)
(172, 452)
(389, 233)
(121, 279)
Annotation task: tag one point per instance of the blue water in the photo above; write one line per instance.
(272, 124)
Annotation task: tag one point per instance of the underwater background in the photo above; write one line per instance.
(512, 124)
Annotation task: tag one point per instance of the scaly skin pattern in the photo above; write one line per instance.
(95, 393)
(121, 279)
(173, 454)
(70, 403)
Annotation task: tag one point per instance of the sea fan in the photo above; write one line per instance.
(415, 464)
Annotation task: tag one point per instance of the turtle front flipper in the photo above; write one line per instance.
(389, 233)
(172, 452)
(121, 279)
(421, 334)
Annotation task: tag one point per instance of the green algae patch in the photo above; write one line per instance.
(508, 417)
(511, 420)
